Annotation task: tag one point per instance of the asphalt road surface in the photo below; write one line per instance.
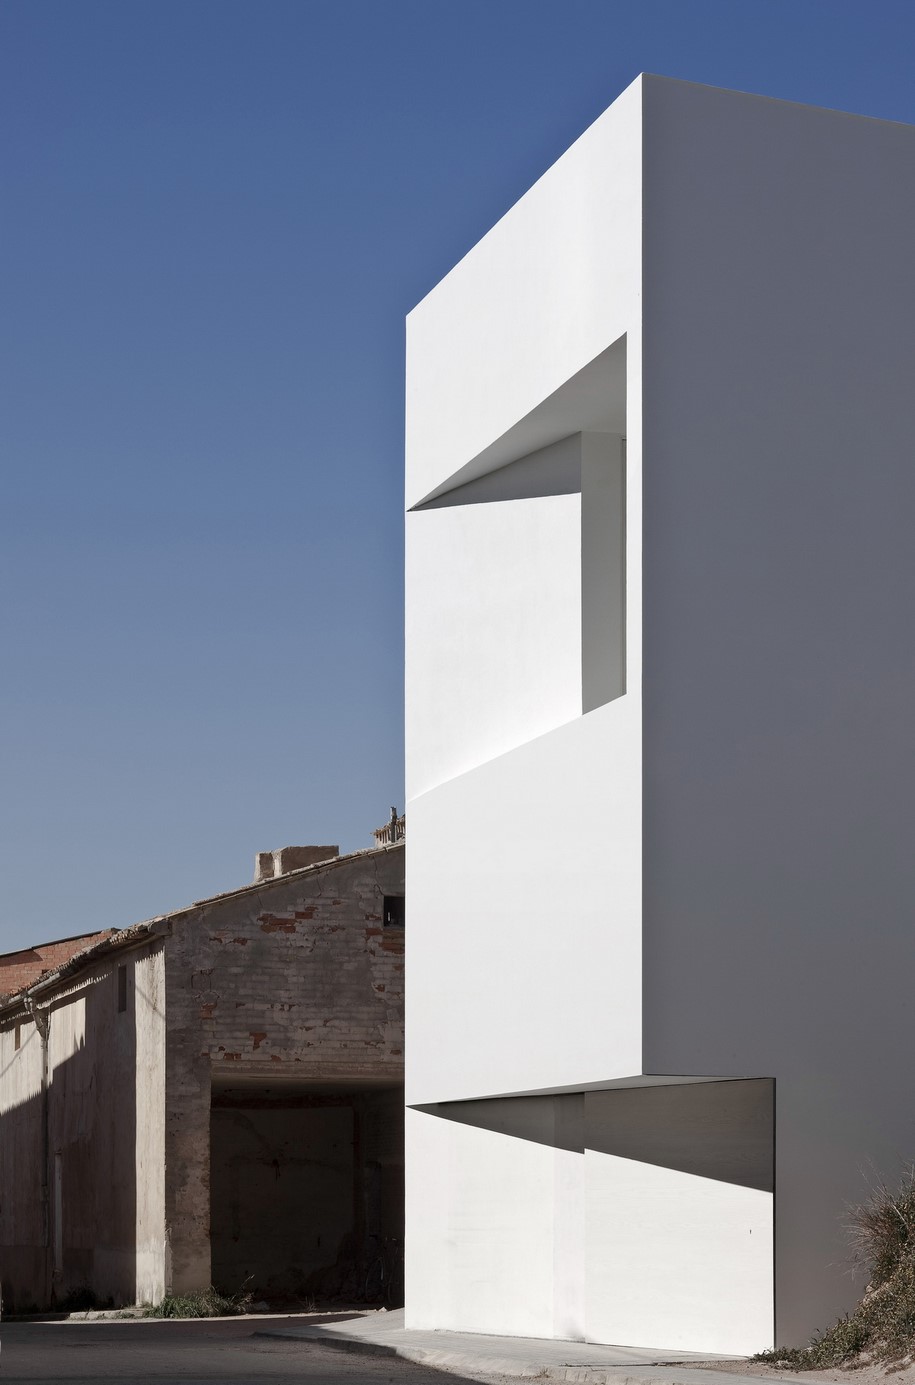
(209, 1352)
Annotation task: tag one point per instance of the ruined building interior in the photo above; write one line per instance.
(213, 1096)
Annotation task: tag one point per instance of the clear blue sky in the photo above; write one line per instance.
(216, 214)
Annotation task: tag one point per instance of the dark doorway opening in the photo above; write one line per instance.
(306, 1193)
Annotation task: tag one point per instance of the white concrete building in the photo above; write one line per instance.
(661, 675)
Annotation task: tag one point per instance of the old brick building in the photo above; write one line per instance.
(214, 1096)
(23, 968)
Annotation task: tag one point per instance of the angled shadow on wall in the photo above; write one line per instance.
(722, 1130)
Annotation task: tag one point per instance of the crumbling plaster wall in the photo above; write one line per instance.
(81, 1181)
(296, 980)
(149, 1005)
(22, 1249)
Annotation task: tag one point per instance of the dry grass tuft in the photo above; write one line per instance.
(882, 1327)
(208, 1304)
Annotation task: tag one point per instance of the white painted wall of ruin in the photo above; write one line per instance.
(105, 1113)
(149, 1019)
(21, 1067)
(22, 1256)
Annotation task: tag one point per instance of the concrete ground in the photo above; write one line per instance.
(475, 1356)
(368, 1349)
(220, 1351)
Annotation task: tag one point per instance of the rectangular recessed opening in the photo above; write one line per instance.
(394, 911)
(603, 569)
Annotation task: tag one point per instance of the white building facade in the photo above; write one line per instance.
(660, 723)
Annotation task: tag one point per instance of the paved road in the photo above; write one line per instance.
(221, 1352)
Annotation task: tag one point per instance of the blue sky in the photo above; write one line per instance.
(216, 214)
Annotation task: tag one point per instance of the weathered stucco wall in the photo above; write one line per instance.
(296, 982)
(89, 1148)
(149, 1012)
(22, 1252)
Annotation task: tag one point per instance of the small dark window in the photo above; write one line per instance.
(393, 911)
(122, 989)
(18, 1035)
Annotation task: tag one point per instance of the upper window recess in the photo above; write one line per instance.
(394, 911)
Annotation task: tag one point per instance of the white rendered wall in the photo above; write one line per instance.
(779, 679)
(548, 289)
(534, 1225)
(485, 1222)
(675, 1259)
(524, 966)
(523, 626)
(528, 920)
(679, 1216)
(524, 870)
(498, 641)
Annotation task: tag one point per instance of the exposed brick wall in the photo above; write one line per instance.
(21, 969)
(296, 978)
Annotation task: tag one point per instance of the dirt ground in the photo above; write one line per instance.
(858, 1375)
